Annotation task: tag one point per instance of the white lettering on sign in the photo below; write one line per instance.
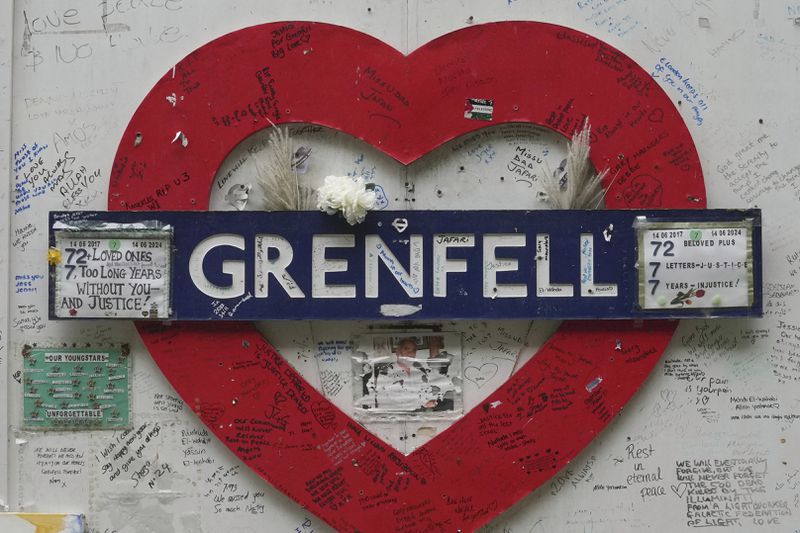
(708, 265)
(588, 287)
(320, 265)
(543, 286)
(376, 249)
(75, 357)
(274, 255)
(276, 266)
(492, 265)
(442, 265)
(235, 269)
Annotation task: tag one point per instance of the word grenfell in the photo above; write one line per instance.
(429, 265)
(274, 255)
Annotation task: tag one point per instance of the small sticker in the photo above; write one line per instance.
(593, 384)
(53, 256)
(381, 201)
(400, 224)
(238, 195)
(478, 109)
(301, 159)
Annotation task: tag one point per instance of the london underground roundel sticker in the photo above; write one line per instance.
(251, 398)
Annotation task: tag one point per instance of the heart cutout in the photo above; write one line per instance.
(400, 224)
(318, 73)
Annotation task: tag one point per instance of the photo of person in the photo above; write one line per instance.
(408, 376)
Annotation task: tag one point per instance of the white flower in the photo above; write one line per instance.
(343, 194)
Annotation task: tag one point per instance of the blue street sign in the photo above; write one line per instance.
(406, 265)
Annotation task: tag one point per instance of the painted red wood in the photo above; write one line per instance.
(244, 391)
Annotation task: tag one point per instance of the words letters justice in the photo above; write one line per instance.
(443, 264)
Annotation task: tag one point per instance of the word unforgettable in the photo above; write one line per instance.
(274, 254)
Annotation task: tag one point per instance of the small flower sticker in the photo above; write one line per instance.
(684, 298)
(349, 196)
(53, 256)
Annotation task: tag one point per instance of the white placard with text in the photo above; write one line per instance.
(112, 275)
(691, 266)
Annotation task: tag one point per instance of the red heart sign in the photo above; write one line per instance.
(245, 392)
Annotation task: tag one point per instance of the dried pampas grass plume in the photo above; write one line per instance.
(277, 176)
(579, 187)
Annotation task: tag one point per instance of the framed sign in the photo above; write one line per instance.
(606, 264)
(76, 388)
(109, 270)
(701, 265)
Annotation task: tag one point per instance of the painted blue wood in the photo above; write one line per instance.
(615, 261)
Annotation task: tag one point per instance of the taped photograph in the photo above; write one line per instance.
(407, 376)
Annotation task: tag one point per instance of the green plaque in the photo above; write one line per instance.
(76, 388)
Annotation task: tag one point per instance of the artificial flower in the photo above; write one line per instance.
(351, 197)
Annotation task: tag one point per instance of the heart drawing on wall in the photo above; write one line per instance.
(254, 401)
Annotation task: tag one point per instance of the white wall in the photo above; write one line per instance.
(5, 169)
